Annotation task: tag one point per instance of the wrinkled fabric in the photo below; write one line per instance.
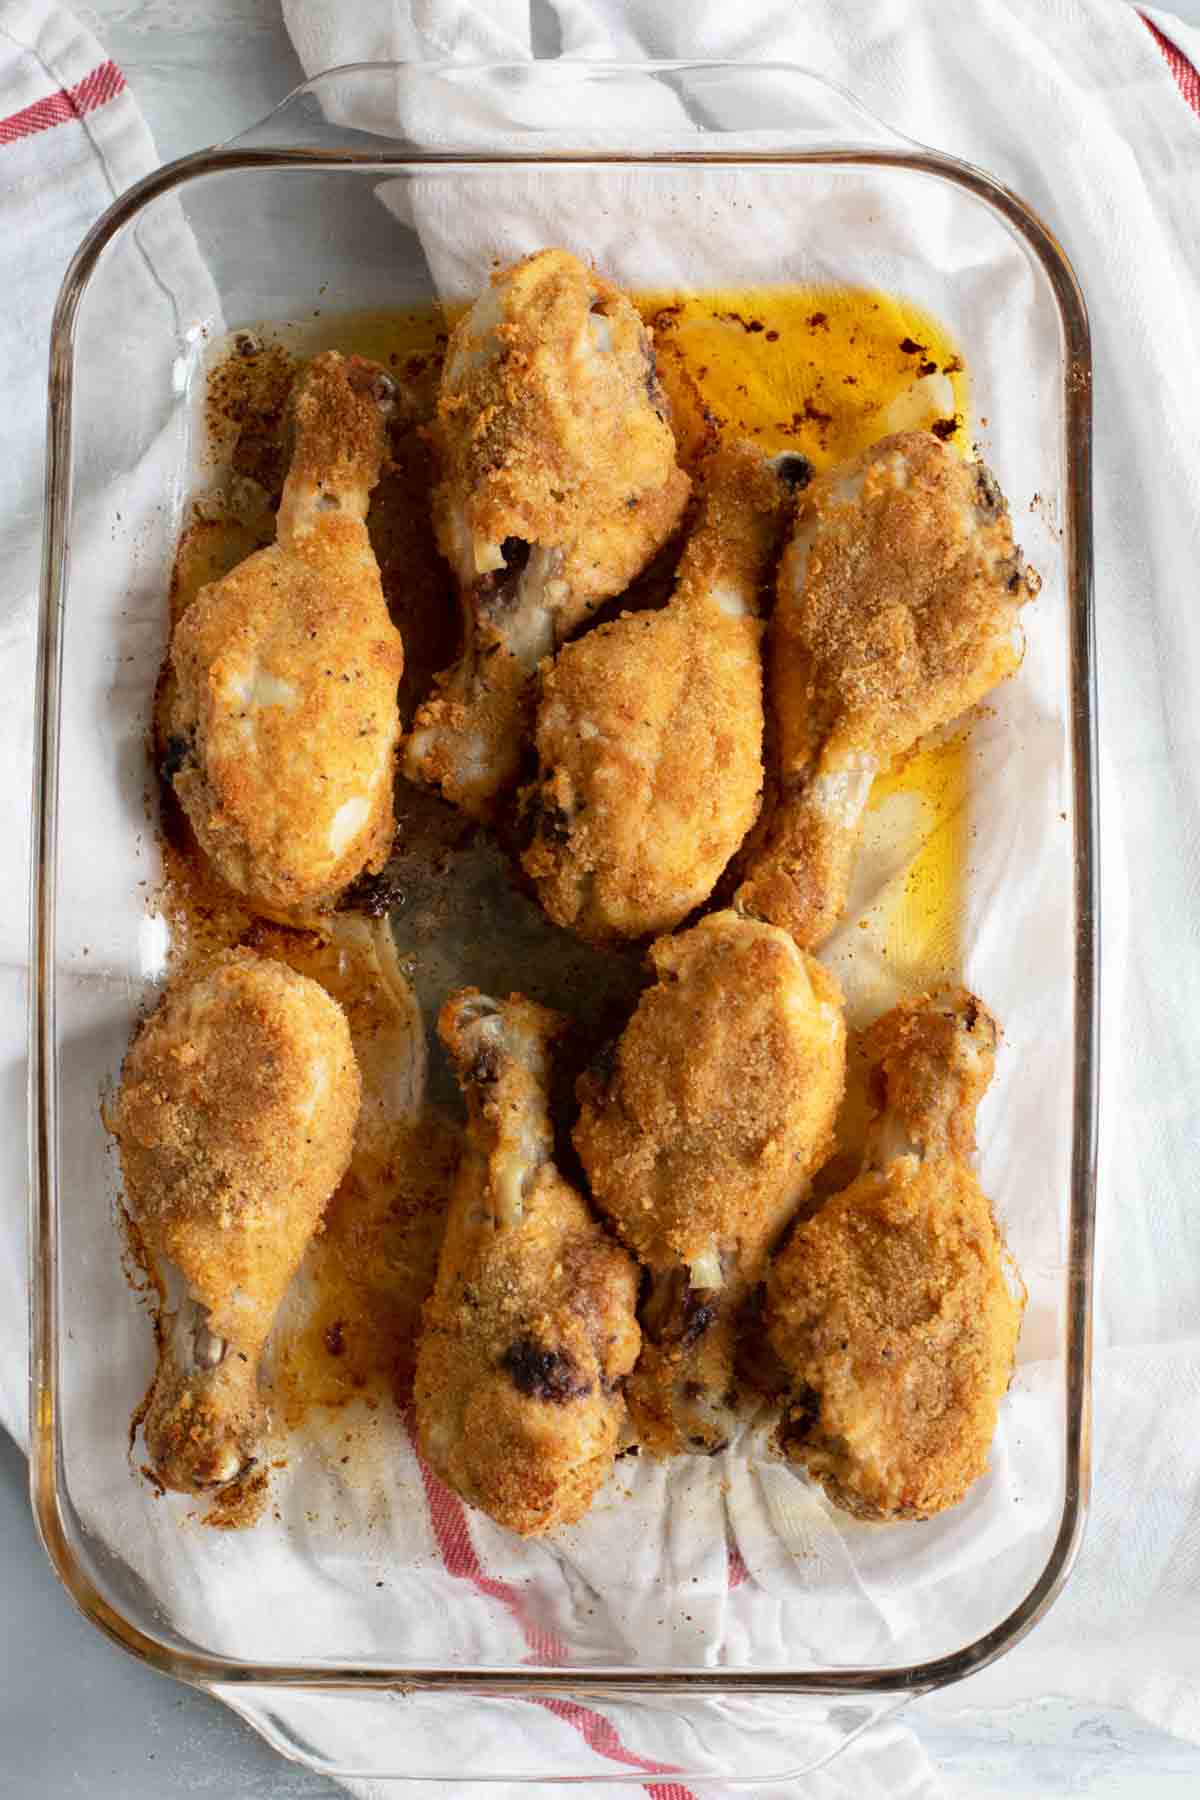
(1076, 107)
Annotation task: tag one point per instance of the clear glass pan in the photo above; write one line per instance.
(765, 166)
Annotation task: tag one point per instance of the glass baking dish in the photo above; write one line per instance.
(390, 186)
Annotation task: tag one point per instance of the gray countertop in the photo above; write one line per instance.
(77, 1717)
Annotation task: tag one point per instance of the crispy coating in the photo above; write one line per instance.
(531, 1326)
(357, 963)
(284, 724)
(649, 730)
(722, 1094)
(699, 1134)
(694, 424)
(235, 1119)
(895, 1310)
(898, 608)
(931, 1062)
(558, 483)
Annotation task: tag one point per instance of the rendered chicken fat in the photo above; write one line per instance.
(235, 1120)
(284, 721)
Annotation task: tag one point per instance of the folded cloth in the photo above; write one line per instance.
(71, 140)
(1106, 147)
(1092, 113)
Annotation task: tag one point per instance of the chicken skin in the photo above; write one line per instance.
(649, 730)
(531, 1326)
(558, 483)
(699, 1134)
(898, 608)
(284, 725)
(356, 962)
(235, 1119)
(892, 1309)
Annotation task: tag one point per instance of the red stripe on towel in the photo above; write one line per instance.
(452, 1533)
(97, 89)
(601, 1736)
(448, 1517)
(1187, 80)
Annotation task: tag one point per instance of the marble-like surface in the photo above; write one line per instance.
(77, 1717)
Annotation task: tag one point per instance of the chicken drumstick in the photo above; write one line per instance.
(892, 1309)
(284, 726)
(558, 484)
(235, 1121)
(531, 1326)
(898, 608)
(699, 1134)
(649, 730)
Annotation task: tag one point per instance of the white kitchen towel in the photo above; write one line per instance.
(71, 140)
(1092, 113)
(1104, 145)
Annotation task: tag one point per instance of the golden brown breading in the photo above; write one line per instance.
(699, 1135)
(558, 484)
(723, 1089)
(357, 964)
(531, 1326)
(284, 724)
(891, 1309)
(694, 424)
(649, 729)
(898, 608)
(235, 1119)
(931, 1062)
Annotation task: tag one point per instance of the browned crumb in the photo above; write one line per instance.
(282, 723)
(895, 1310)
(530, 1328)
(649, 729)
(237, 1108)
(898, 606)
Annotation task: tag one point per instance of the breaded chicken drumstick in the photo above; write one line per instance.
(649, 730)
(235, 1120)
(894, 1310)
(898, 607)
(284, 726)
(531, 1327)
(558, 484)
(699, 1134)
